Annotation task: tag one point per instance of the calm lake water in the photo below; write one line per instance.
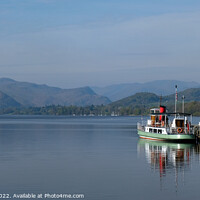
(100, 157)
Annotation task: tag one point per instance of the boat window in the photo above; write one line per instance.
(159, 130)
(150, 130)
(155, 130)
(179, 123)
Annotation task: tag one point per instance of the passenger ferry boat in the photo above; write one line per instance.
(160, 126)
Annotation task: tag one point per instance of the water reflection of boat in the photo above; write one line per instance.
(166, 156)
(168, 159)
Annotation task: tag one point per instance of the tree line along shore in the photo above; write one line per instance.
(100, 110)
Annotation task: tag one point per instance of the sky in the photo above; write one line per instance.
(76, 43)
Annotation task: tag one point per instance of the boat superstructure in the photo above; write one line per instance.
(163, 126)
(168, 126)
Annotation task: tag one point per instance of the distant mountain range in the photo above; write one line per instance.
(160, 87)
(30, 94)
(24, 94)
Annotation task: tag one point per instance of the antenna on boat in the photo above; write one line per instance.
(183, 109)
(176, 98)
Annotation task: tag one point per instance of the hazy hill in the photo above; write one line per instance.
(149, 99)
(7, 102)
(192, 94)
(137, 99)
(162, 87)
(30, 94)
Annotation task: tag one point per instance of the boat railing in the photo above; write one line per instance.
(197, 130)
(182, 130)
(140, 127)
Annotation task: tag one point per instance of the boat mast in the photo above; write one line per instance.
(176, 98)
(183, 109)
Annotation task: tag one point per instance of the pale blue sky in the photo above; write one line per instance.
(73, 43)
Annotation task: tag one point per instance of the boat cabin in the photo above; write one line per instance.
(181, 125)
(158, 117)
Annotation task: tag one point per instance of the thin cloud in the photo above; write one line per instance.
(108, 49)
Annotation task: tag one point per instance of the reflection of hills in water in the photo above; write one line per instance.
(167, 157)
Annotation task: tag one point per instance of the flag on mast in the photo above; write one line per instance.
(176, 93)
